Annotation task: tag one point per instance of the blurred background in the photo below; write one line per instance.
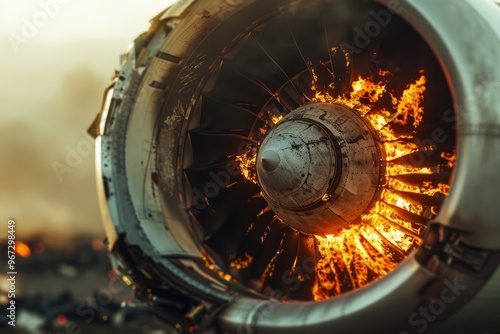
(57, 57)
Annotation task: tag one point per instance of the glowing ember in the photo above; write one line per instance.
(450, 157)
(240, 263)
(209, 262)
(346, 53)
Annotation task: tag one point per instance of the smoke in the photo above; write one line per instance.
(41, 120)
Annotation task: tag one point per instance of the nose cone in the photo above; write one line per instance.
(270, 160)
(319, 168)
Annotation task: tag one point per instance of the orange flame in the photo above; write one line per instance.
(409, 104)
(362, 89)
(362, 248)
(450, 157)
(247, 164)
(276, 119)
(373, 247)
(22, 249)
(247, 160)
(241, 263)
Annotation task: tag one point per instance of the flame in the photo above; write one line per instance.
(384, 73)
(247, 164)
(373, 247)
(397, 149)
(395, 169)
(348, 260)
(366, 88)
(395, 200)
(22, 249)
(442, 189)
(247, 159)
(362, 89)
(382, 221)
(410, 103)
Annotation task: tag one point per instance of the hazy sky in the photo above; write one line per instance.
(77, 19)
(51, 87)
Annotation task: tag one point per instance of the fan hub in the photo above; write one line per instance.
(319, 168)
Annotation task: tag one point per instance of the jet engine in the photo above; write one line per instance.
(285, 166)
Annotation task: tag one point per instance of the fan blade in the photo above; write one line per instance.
(290, 99)
(408, 216)
(439, 132)
(268, 72)
(443, 176)
(275, 108)
(419, 199)
(304, 86)
(379, 260)
(392, 251)
(358, 269)
(402, 228)
(223, 174)
(209, 149)
(251, 243)
(332, 273)
(323, 79)
(218, 117)
(221, 206)
(280, 47)
(304, 272)
(424, 158)
(269, 249)
(234, 88)
(277, 279)
(310, 43)
(227, 239)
